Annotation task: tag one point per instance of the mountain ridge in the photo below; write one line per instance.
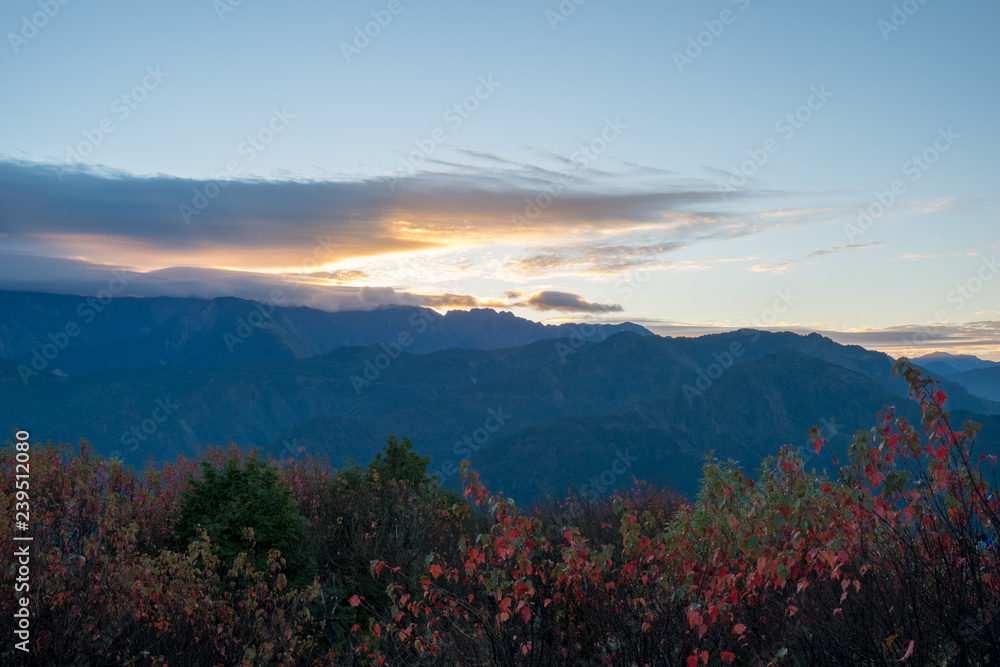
(77, 335)
(530, 418)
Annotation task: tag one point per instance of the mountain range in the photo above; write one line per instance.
(979, 376)
(537, 409)
(195, 333)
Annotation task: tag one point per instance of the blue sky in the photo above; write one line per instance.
(369, 184)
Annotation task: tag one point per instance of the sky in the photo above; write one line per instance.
(689, 166)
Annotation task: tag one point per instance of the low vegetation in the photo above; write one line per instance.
(231, 559)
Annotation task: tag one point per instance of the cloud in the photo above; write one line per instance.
(707, 263)
(343, 276)
(159, 221)
(387, 295)
(844, 248)
(567, 302)
(979, 338)
(780, 267)
(591, 258)
(73, 276)
(936, 205)
(937, 255)
(351, 233)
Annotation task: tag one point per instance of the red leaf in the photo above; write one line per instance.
(692, 661)
(436, 570)
(940, 397)
(739, 629)
(818, 444)
(727, 657)
(355, 601)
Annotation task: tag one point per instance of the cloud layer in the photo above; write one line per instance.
(67, 227)
(565, 302)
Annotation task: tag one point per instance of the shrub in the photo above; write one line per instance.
(888, 561)
(243, 495)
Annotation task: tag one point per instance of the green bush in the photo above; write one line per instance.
(226, 502)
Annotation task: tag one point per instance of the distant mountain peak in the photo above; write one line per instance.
(946, 363)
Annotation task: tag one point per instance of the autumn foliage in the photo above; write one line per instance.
(888, 560)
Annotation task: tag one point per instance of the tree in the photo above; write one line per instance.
(397, 462)
(225, 503)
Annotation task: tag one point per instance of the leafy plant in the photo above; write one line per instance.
(888, 559)
(245, 507)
